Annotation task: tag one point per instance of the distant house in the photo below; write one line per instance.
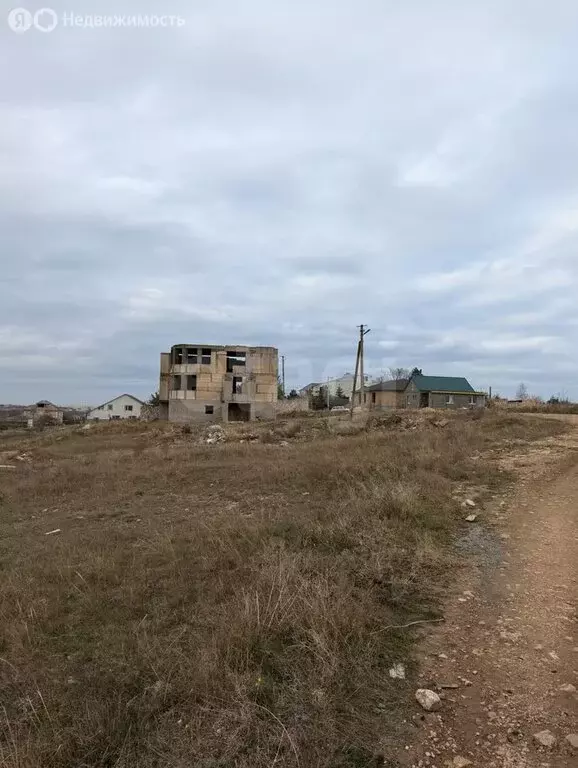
(343, 384)
(422, 392)
(12, 415)
(43, 412)
(386, 394)
(442, 392)
(121, 407)
(310, 389)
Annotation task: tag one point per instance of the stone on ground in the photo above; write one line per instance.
(428, 700)
(397, 672)
(545, 739)
(572, 740)
(461, 762)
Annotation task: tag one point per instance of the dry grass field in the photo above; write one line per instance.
(226, 605)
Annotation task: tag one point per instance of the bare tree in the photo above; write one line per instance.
(399, 373)
(396, 372)
(522, 392)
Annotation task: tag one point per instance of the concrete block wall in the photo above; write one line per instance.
(164, 384)
(294, 404)
(264, 411)
(439, 400)
(266, 389)
(186, 411)
(385, 400)
(263, 360)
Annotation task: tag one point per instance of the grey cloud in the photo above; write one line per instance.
(278, 173)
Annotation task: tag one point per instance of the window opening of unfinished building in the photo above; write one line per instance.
(109, 407)
(192, 383)
(206, 357)
(192, 356)
(239, 412)
(235, 359)
(237, 385)
(176, 382)
(178, 356)
(128, 407)
(209, 409)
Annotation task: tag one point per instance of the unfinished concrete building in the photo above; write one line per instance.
(202, 383)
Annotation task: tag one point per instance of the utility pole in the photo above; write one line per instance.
(363, 331)
(283, 373)
(355, 380)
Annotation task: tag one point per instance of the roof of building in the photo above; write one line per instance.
(310, 386)
(124, 394)
(454, 384)
(42, 404)
(344, 376)
(394, 385)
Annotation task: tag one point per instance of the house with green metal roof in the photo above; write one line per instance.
(442, 392)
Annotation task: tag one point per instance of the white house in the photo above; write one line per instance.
(343, 383)
(122, 407)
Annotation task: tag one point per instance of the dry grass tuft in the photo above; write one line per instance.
(223, 606)
(534, 405)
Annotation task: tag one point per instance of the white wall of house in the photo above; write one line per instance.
(122, 407)
(346, 384)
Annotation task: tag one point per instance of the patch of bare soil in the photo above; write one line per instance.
(505, 662)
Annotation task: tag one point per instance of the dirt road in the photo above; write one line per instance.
(506, 659)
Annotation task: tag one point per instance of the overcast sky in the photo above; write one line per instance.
(278, 171)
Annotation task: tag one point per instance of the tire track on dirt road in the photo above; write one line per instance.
(508, 651)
